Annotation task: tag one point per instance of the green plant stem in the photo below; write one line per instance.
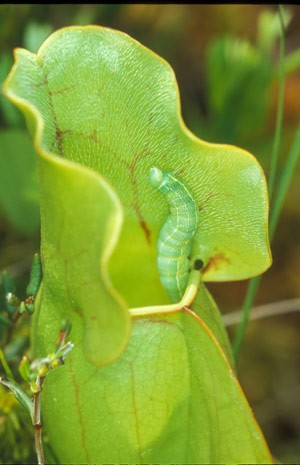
(246, 309)
(279, 117)
(287, 175)
(37, 421)
(254, 282)
(7, 370)
(274, 218)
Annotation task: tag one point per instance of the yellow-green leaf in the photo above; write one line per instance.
(81, 220)
(170, 398)
(109, 103)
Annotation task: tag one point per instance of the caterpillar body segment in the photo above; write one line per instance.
(176, 236)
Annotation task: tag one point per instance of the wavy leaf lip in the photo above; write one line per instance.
(81, 220)
(111, 104)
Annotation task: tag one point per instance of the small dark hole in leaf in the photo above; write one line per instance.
(198, 264)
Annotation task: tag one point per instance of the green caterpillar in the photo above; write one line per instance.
(176, 236)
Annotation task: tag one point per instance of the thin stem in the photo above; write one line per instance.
(37, 421)
(7, 370)
(283, 307)
(279, 118)
(246, 309)
(287, 175)
(274, 218)
(254, 282)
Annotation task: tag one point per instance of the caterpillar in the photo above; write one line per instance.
(176, 236)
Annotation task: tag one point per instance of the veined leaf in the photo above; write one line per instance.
(109, 103)
(81, 220)
(170, 398)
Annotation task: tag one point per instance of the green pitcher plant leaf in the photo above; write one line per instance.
(82, 219)
(170, 398)
(109, 103)
(103, 110)
(205, 307)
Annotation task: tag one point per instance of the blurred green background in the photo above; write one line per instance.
(225, 58)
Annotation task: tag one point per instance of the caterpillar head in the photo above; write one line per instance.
(156, 177)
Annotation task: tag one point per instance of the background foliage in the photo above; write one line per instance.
(226, 60)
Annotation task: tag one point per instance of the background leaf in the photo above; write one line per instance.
(35, 34)
(19, 197)
(233, 65)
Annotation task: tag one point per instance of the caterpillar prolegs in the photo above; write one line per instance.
(176, 236)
